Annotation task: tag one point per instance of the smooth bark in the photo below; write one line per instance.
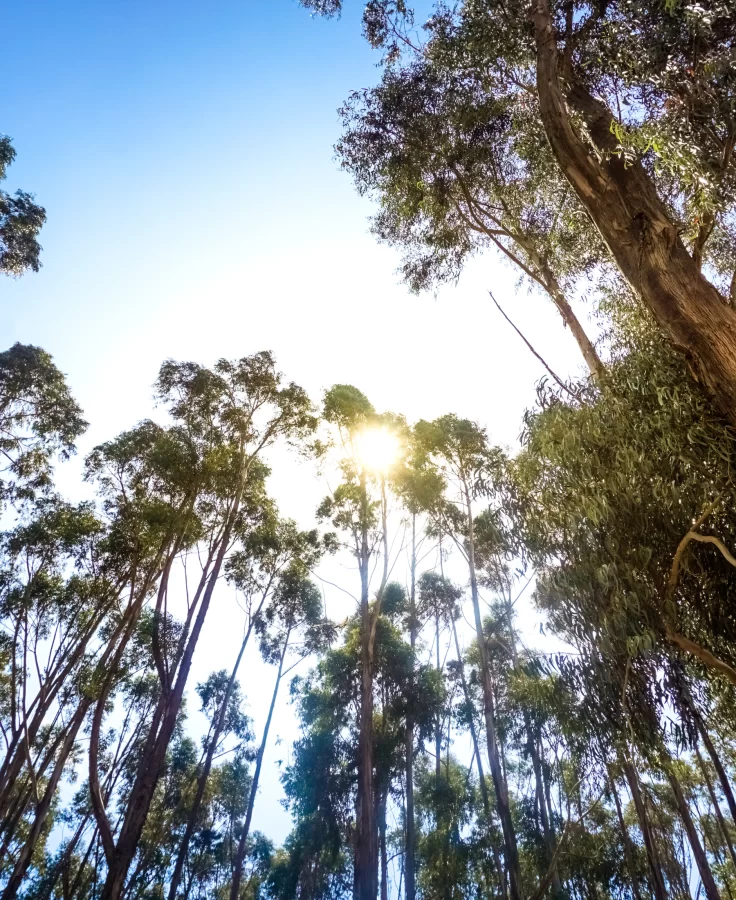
(623, 203)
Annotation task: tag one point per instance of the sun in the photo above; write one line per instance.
(378, 449)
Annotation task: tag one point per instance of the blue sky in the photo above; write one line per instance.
(183, 151)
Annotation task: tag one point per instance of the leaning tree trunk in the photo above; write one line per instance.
(723, 827)
(153, 757)
(242, 844)
(658, 887)
(628, 843)
(207, 766)
(701, 860)
(623, 203)
(718, 765)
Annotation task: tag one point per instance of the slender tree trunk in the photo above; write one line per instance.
(43, 805)
(499, 780)
(410, 850)
(438, 722)
(206, 768)
(622, 201)
(479, 762)
(658, 887)
(154, 754)
(626, 837)
(549, 838)
(718, 765)
(242, 844)
(716, 807)
(366, 857)
(590, 355)
(701, 860)
(383, 799)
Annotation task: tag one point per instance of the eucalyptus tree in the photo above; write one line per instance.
(39, 421)
(358, 508)
(438, 599)
(224, 418)
(274, 546)
(21, 219)
(458, 450)
(295, 612)
(455, 168)
(321, 781)
(645, 140)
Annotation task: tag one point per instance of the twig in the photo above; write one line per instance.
(559, 381)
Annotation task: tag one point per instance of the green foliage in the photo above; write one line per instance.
(21, 219)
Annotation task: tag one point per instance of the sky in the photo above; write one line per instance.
(184, 153)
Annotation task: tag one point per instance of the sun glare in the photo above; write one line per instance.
(378, 449)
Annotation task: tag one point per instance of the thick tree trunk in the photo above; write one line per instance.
(242, 844)
(499, 779)
(410, 849)
(701, 860)
(622, 201)
(657, 880)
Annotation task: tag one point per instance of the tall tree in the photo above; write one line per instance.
(649, 156)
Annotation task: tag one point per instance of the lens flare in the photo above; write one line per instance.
(378, 449)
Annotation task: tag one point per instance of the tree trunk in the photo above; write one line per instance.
(549, 839)
(626, 837)
(718, 765)
(154, 754)
(499, 780)
(44, 804)
(365, 886)
(410, 850)
(716, 807)
(622, 202)
(701, 860)
(382, 840)
(206, 768)
(438, 723)
(479, 762)
(658, 887)
(242, 844)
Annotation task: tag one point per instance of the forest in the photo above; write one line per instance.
(441, 753)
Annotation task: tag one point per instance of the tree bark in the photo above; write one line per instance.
(701, 860)
(410, 849)
(718, 765)
(154, 753)
(716, 807)
(207, 767)
(383, 799)
(628, 843)
(623, 203)
(438, 722)
(658, 886)
(365, 885)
